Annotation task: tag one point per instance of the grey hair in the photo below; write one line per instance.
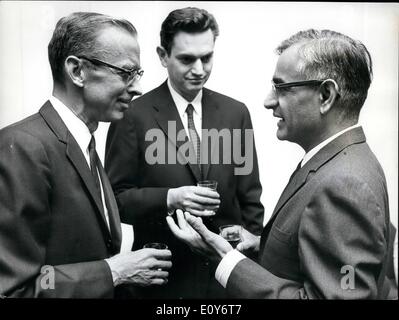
(76, 34)
(328, 54)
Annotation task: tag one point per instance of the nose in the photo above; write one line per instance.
(198, 67)
(134, 88)
(271, 100)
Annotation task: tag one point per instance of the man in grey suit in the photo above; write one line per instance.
(60, 232)
(328, 236)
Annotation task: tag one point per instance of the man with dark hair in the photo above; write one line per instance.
(147, 190)
(329, 234)
(60, 231)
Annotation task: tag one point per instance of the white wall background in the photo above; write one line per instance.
(243, 66)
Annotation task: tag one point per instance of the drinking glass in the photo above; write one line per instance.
(211, 184)
(232, 233)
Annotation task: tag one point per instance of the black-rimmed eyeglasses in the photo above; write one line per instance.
(128, 75)
(286, 85)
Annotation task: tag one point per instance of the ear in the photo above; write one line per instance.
(329, 93)
(163, 56)
(74, 70)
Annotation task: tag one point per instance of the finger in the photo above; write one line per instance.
(188, 205)
(206, 192)
(160, 274)
(181, 221)
(197, 224)
(166, 255)
(162, 264)
(159, 282)
(187, 215)
(175, 229)
(203, 213)
(205, 199)
(241, 247)
(159, 253)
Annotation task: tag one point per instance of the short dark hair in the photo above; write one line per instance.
(329, 54)
(76, 34)
(190, 20)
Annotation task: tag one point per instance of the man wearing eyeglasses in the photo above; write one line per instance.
(329, 236)
(60, 231)
(147, 191)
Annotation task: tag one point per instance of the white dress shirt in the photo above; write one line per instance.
(231, 259)
(182, 104)
(82, 135)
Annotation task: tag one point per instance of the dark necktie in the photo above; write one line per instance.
(298, 167)
(93, 164)
(98, 173)
(194, 137)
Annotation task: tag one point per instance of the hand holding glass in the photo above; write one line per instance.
(156, 245)
(210, 184)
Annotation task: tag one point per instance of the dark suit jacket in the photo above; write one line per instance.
(50, 214)
(331, 222)
(141, 188)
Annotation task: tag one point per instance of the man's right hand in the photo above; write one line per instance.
(193, 232)
(144, 267)
(198, 201)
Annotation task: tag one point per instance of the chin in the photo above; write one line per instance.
(281, 136)
(115, 117)
(119, 116)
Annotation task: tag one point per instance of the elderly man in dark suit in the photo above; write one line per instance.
(60, 231)
(328, 236)
(176, 113)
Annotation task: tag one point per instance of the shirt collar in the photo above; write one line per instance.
(76, 126)
(316, 149)
(182, 103)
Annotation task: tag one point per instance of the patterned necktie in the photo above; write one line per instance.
(194, 137)
(93, 164)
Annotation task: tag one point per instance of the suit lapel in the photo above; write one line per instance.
(164, 111)
(328, 152)
(211, 119)
(75, 155)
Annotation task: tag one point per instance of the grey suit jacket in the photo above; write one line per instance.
(51, 214)
(328, 235)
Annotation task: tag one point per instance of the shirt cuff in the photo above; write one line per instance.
(227, 265)
(127, 237)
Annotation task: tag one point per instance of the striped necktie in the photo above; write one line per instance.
(194, 137)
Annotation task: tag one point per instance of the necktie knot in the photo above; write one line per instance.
(190, 110)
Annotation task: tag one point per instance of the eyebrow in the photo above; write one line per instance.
(131, 66)
(277, 80)
(187, 55)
